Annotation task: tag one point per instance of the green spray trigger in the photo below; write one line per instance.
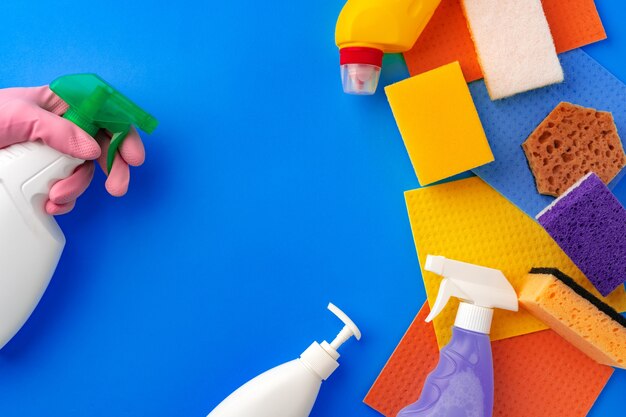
(94, 104)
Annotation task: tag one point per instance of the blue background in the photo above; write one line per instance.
(266, 194)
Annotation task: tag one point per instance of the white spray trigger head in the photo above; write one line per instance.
(349, 329)
(478, 285)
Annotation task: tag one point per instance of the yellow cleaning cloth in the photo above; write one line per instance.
(467, 220)
(439, 123)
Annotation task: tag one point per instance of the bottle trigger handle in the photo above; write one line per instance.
(447, 289)
(116, 140)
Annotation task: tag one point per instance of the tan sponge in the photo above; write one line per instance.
(578, 316)
(571, 142)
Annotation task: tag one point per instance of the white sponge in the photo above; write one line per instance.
(514, 45)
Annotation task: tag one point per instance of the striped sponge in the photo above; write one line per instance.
(589, 224)
(574, 313)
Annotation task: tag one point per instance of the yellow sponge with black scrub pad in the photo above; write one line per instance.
(576, 314)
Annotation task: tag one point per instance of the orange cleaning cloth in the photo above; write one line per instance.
(573, 23)
(535, 375)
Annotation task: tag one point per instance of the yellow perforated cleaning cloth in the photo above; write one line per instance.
(439, 124)
(468, 221)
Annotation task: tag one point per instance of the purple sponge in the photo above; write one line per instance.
(589, 224)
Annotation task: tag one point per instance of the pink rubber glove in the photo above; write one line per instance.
(30, 114)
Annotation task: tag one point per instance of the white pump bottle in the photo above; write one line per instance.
(289, 390)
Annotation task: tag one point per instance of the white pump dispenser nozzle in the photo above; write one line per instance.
(479, 288)
(290, 389)
(350, 329)
(322, 357)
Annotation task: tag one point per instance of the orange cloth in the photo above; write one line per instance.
(537, 374)
(573, 23)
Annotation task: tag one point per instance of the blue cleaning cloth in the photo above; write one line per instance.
(510, 121)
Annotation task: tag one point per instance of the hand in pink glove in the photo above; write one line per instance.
(30, 114)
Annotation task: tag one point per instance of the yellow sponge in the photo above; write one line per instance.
(578, 316)
(439, 123)
(469, 221)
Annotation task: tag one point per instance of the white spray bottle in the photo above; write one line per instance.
(462, 383)
(31, 241)
(290, 389)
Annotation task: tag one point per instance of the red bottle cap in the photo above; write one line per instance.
(361, 55)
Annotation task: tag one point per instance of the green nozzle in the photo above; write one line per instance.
(94, 104)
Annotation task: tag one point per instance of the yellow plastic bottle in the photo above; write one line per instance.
(366, 29)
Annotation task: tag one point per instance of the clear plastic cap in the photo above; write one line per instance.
(360, 79)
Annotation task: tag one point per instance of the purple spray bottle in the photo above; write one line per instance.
(462, 383)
